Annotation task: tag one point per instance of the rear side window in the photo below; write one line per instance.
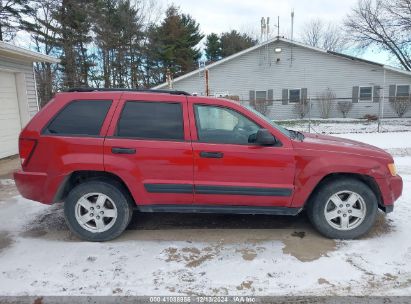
(151, 120)
(80, 117)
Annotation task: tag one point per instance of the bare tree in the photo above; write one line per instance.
(302, 107)
(42, 28)
(325, 100)
(324, 35)
(262, 106)
(383, 24)
(344, 107)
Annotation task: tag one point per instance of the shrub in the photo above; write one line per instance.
(261, 106)
(400, 105)
(302, 107)
(325, 100)
(344, 107)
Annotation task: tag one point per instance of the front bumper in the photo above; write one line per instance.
(391, 189)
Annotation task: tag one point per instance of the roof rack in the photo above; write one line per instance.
(87, 89)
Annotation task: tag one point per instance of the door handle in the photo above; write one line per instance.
(117, 150)
(206, 154)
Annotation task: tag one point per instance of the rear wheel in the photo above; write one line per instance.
(343, 209)
(98, 210)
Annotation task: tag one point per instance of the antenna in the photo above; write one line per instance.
(292, 36)
(263, 27)
(201, 68)
(292, 24)
(278, 27)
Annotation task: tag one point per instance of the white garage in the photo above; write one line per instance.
(18, 96)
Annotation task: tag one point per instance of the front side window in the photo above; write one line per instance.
(151, 120)
(222, 125)
(365, 93)
(403, 90)
(80, 117)
(294, 95)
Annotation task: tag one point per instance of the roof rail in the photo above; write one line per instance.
(87, 89)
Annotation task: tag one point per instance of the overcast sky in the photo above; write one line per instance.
(224, 15)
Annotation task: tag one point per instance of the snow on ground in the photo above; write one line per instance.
(39, 256)
(342, 125)
(6, 182)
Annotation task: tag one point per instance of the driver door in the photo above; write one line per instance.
(228, 169)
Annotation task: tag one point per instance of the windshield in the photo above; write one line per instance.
(278, 127)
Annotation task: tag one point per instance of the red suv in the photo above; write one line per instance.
(106, 152)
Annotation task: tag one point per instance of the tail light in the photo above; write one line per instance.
(26, 148)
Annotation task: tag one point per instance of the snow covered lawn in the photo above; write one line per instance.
(347, 125)
(208, 254)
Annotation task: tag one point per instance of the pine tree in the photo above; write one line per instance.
(234, 42)
(174, 43)
(43, 31)
(12, 12)
(213, 47)
(74, 18)
(118, 35)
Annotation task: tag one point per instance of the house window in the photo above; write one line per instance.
(294, 95)
(260, 95)
(403, 91)
(365, 93)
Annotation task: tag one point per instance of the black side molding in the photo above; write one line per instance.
(220, 209)
(254, 191)
(205, 189)
(168, 188)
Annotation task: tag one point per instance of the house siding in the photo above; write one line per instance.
(26, 68)
(296, 67)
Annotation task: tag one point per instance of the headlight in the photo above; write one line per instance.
(392, 169)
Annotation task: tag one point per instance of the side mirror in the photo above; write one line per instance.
(265, 138)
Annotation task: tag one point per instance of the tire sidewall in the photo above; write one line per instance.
(320, 199)
(124, 210)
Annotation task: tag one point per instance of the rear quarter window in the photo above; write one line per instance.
(79, 117)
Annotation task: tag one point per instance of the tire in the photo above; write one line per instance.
(98, 210)
(330, 219)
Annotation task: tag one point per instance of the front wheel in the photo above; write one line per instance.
(343, 209)
(97, 211)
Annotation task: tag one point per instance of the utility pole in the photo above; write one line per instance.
(207, 89)
(381, 104)
(169, 79)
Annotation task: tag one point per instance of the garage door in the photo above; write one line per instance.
(9, 115)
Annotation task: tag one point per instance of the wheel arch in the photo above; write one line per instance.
(366, 179)
(77, 177)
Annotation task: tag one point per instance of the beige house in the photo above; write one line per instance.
(18, 95)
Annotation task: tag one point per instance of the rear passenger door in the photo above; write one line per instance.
(148, 146)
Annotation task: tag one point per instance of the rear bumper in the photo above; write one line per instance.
(36, 186)
(391, 189)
